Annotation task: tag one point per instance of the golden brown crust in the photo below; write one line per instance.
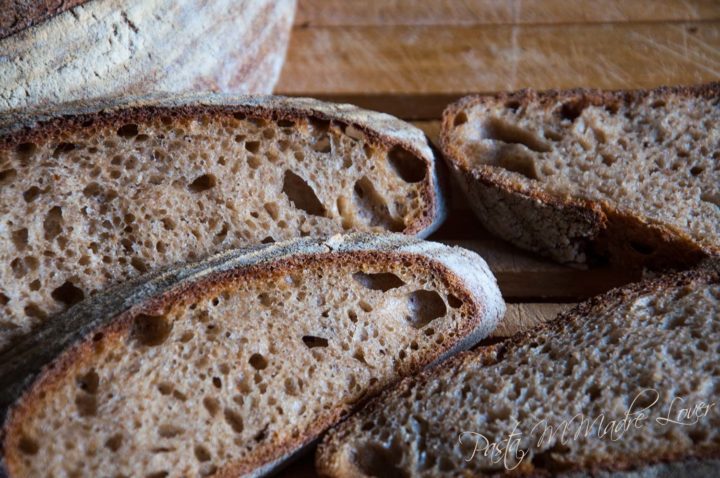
(46, 370)
(606, 232)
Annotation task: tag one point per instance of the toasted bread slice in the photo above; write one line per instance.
(231, 365)
(585, 394)
(92, 195)
(629, 175)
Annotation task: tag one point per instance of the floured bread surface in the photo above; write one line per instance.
(650, 155)
(575, 379)
(87, 205)
(233, 376)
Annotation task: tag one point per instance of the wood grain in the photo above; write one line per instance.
(492, 12)
(414, 71)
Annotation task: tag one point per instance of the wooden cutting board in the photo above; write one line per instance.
(411, 58)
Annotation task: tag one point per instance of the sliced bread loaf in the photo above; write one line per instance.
(629, 175)
(54, 51)
(627, 382)
(94, 194)
(231, 365)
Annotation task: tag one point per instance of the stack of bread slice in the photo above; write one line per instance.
(204, 285)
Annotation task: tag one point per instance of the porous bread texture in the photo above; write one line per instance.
(633, 175)
(92, 200)
(242, 365)
(111, 48)
(646, 344)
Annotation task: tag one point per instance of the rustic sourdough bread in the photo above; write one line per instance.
(578, 375)
(632, 175)
(93, 198)
(231, 365)
(107, 48)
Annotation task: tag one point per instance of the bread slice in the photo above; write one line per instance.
(231, 365)
(559, 391)
(91, 195)
(78, 49)
(579, 174)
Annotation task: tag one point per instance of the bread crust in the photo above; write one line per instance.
(36, 365)
(22, 14)
(379, 128)
(569, 228)
(327, 459)
(106, 48)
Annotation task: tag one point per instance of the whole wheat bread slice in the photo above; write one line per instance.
(559, 391)
(93, 194)
(629, 175)
(231, 365)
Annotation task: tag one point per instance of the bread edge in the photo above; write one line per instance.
(379, 128)
(599, 229)
(707, 272)
(112, 312)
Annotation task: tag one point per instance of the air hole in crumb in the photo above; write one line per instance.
(68, 294)
(258, 362)
(454, 302)
(7, 176)
(20, 239)
(217, 383)
(373, 208)
(286, 123)
(301, 194)
(25, 150)
(460, 118)
(234, 420)
(697, 170)
(408, 166)
(512, 105)
(128, 131)
(63, 148)
(151, 330)
(571, 110)
(203, 183)
(382, 281)
(211, 405)
(500, 130)
(657, 104)
(28, 446)
(89, 382)
(4, 299)
(52, 224)
(165, 388)
(170, 431)
(323, 145)
(31, 194)
(114, 442)
(202, 454)
(253, 146)
(267, 240)
(424, 306)
(311, 341)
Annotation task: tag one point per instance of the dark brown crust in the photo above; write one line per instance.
(610, 233)
(432, 194)
(118, 327)
(708, 272)
(17, 15)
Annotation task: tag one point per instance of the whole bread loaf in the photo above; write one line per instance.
(58, 51)
(586, 174)
(93, 194)
(229, 366)
(623, 385)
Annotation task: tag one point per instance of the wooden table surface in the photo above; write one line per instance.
(411, 58)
